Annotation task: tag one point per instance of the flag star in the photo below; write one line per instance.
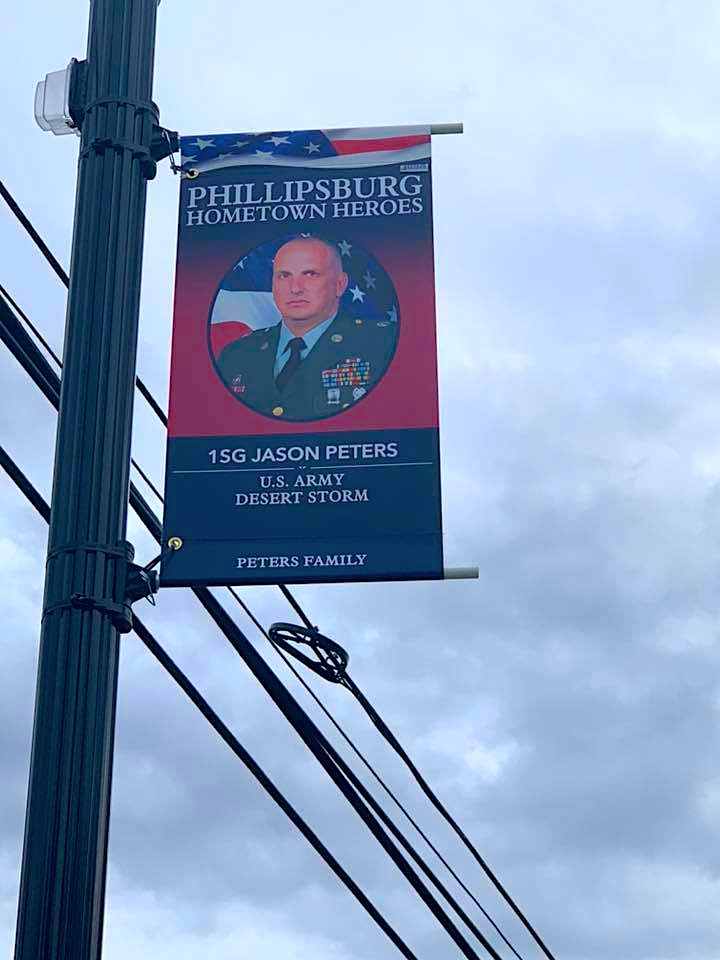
(276, 141)
(263, 153)
(189, 159)
(392, 314)
(345, 248)
(312, 147)
(357, 293)
(202, 144)
(225, 156)
(369, 280)
(241, 263)
(241, 143)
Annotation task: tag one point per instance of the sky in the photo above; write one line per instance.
(566, 704)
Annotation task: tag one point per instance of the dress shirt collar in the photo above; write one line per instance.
(310, 338)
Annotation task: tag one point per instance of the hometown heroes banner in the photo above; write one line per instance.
(303, 424)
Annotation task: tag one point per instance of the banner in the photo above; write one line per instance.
(303, 421)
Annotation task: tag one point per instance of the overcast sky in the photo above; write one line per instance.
(566, 704)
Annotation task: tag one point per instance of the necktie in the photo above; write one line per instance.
(296, 345)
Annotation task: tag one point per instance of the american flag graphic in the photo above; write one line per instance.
(323, 149)
(244, 301)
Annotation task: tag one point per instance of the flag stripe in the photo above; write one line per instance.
(377, 133)
(389, 143)
(381, 157)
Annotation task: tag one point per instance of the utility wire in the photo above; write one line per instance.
(384, 786)
(38, 335)
(29, 347)
(372, 713)
(166, 661)
(26, 352)
(390, 737)
(51, 259)
(398, 803)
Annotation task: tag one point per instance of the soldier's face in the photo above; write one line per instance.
(307, 283)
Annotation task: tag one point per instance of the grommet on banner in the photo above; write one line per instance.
(191, 174)
(174, 543)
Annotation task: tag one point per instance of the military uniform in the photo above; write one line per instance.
(347, 361)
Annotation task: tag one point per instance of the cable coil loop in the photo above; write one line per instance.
(332, 659)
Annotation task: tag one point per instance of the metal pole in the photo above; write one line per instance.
(62, 888)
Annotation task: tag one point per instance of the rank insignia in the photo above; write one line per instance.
(236, 384)
(265, 345)
(337, 338)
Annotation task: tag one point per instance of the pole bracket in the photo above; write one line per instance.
(154, 143)
(134, 583)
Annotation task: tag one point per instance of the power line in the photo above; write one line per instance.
(166, 661)
(367, 706)
(390, 737)
(280, 653)
(51, 259)
(38, 335)
(398, 803)
(29, 348)
(18, 341)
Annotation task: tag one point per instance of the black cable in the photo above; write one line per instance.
(300, 612)
(18, 341)
(344, 778)
(38, 336)
(387, 733)
(382, 727)
(147, 479)
(390, 737)
(166, 661)
(4, 295)
(51, 259)
(38, 240)
(398, 803)
(51, 389)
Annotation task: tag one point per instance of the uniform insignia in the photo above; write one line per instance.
(358, 321)
(352, 372)
(264, 346)
(383, 323)
(236, 384)
(359, 392)
(333, 395)
(278, 411)
(337, 338)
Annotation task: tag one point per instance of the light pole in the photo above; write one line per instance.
(90, 580)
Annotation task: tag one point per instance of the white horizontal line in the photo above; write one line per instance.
(235, 470)
(364, 466)
(329, 466)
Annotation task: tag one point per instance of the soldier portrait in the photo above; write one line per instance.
(332, 330)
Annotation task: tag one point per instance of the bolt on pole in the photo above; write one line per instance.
(62, 888)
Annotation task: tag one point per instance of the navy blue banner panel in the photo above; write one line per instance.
(303, 426)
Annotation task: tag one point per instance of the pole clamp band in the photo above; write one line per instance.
(124, 551)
